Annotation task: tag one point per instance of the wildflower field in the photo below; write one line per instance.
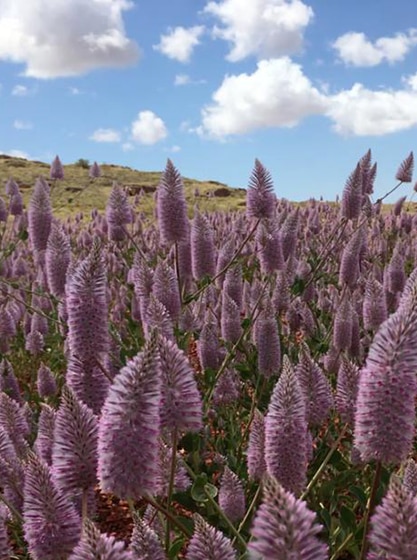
(235, 385)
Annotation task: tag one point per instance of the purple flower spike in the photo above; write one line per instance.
(385, 408)
(118, 213)
(57, 260)
(353, 195)
(393, 532)
(129, 427)
(181, 406)
(260, 197)
(202, 247)
(256, 447)
(410, 477)
(208, 543)
(57, 171)
(405, 171)
(51, 524)
(232, 496)
(172, 207)
(94, 172)
(5, 552)
(286, 432)
(39, 216)
(347, 390)
(74, 453)
(45, 437)
(46, 382)
(268, 344)
(145, 543)
(285, 528)
(95, 546)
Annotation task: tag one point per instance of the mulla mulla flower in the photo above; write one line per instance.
(56, 171)
(14, 422)
(129, 427)
(95, 171)
(94, 545)
(74, 451)
(260, 197)
(232, 496)
(352, 196)
(315, 388)
(5, 552)
(118, 213)
(347, 390)
(172, 207)
(165, 289)
(269, 242)
(255, 454)
(289, 233)
(39, 217)
(286, 432)
(284, 528)
(393, 534)
(57, 260)
(145, 543)
(51, 525)
(181, 405)
(46, 382)
(410, 476)
(208, 543)
(45, 436)
(268, 343)
(350, 260)
(230, 322)
(385, 407)
(374, 305)
(8, 381)
(405, 171)
(203, 251)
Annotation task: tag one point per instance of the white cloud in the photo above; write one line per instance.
(356, 49)
(363, 112)
(180, 42)
(127, 147)
(16, 153)
(182, 80)
(105, 135)
(276, 94)
(175, 148)
(22, 125)
(62, 38)
(75, 91)
(266, 28)
(20, 91)
(148, 128)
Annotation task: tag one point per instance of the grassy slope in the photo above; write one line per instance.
(77, 192)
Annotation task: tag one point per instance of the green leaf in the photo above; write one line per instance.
(347, 518)
(359, 494)
(176, 547)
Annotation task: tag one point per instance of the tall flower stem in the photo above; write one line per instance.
(369, 509)
(84, 505)
(248, 512)
(324, 463)
(171, 485)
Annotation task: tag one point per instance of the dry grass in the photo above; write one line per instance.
(78, 193)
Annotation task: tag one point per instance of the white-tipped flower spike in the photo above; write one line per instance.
(256, 447)
(260, 197)
(203, 250)
(5, 552)
(284, 528)
(145, 543)
(385, 407)
(171, 206)
(129, 427)
(57, 260)
(232, 496)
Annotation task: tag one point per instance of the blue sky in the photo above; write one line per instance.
(306, 87)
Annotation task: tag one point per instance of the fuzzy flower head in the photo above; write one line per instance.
(57, 260)
(385, 408)
(208, 543)
(353, 195)
(405, 171)
(171, 206)
(256, 447)
(129, 427)
(39, 216)
(284, 527)
(145, 543)
(260, 198)
(57, 171)
(118, 213)
(232, 496)
(96, 546)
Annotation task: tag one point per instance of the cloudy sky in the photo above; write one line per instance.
(306, 87)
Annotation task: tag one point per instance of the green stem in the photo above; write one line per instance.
(324, 463)
(369, 509)
(341, 547)
(171, 486)
(168, 515)
(248, 512)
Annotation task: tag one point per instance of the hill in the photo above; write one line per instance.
(78, 193)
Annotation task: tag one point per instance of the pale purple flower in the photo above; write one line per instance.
(8, 381)
(267, 344)
(166, 289)
(182, 480)
(45, 436)
(5, 551)
(209, 344)
(171, 206)
(227, 389)
(46, 382)
(255, 455)
(286, 432)
(74, 452)
(270, 252)
(232, 496)
(203, 251)
(410, 477)
(129, 427)
(57, 259)
(94, 545)
(145, 543)
(393, 534)
(56, 171)
(94, 172)
(347, 390)
(230, 322)
(284, 528)
(118, 213)
(342, 330)
(374, 305)
(208, 543)
(352, 195)
(52, 527)
(181, 405)
(260, 197)
(405, 171)
(39, 217)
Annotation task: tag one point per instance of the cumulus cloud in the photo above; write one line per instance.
(148, 128)
(180, 42)
(105, 135)
(182, 80)
(22, 125)
(363, 112)
(276, 94)
(356, 49)
(20, 91)
(15, 153)
(54, 39)
(265, 28)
